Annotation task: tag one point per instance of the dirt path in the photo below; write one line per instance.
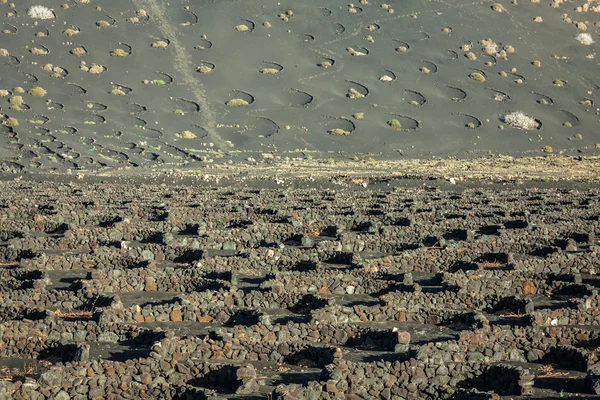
(183, 64)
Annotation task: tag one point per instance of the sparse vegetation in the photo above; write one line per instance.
(78, 51)
(37, 91)
(547, 149)
(204, 69)
(237, 103)
(96, 69)
(102, 24)
(119, 53)
(160, 44)
(242, 28)
(359, 115)
(476, 76)
(394, 123)
(16, 101)
(36, 51)
(158, 82)
(4, 53)
(498, 7)
(70, 32)
(269, 71)
(354, 94)
(338, 132)
(187, 135)
(471, 125)
(559, 83)
(11, 122)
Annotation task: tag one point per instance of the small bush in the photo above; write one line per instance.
(204, 69)
(237, 103)
(394, 123)
(12, 122)
(520, 120)
(37, 92)
(269, 71)
(78, 51)
(187, 135)
(160, 44)
(547, 149)
(119, 53)
(242, 28)
(16, 101)
(338, 132)
(476, 76)
(70, 32)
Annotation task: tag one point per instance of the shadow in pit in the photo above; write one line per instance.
(223, 380)
(297, 319)
(300, 378)
(560, 383)
(389, 357)
(311, 357)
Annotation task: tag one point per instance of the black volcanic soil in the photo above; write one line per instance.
(305, 71)
(301, 289)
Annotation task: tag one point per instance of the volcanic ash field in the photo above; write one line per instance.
(150, 83)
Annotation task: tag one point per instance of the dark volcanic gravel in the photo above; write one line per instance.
(407, 291)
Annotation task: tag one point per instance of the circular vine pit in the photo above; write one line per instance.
(205, 67)
(451, 55)
(76, 90)
(299, 98)
(403, 123)
(260, 127)
(135, 108)
(271, 68)
(239, 98)
(306, 37)
(498, 95)
(402, 47)
(203, 45)
(183, 106)
(9, 29)
(340, 127)
(357, 90)
(428, 67)
(543, 99)
(184, 18)
(414, 98)
(568, 119)
(326, 63)
(468, 121)
(94, 106)
(455, 94)
(387, 76)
